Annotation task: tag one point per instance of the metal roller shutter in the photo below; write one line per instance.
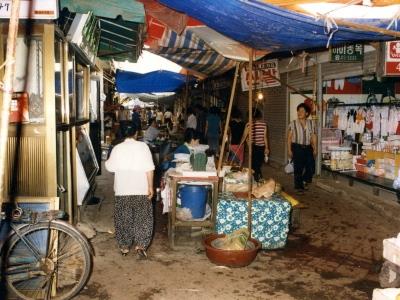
(276, 116)
(301, 81)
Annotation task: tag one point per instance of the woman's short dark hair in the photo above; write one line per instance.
(236, 113)
(257, 113)
(190, 111)
(191, 134)
(213, 110)
(305, 106)
(129, 131)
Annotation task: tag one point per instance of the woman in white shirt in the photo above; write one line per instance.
(132, 163)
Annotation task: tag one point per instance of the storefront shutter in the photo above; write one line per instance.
(274, 108)
(301, 81)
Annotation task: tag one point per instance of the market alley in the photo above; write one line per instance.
(335, 254)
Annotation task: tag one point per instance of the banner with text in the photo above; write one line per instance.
(262, 72)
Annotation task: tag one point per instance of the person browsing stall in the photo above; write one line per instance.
(259, 134)
(191, 120)
(236, 130)
(213, 129)
(152, 132)
(191, 139)
(302, 148)
(168, 118)
(133, 166)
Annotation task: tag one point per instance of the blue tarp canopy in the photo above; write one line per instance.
(268, 27)
(152, 82)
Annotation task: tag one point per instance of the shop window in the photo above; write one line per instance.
(28, 77)
(94, 99)
(71, 85)
(86, 153)
(59, 82)
(80, 92)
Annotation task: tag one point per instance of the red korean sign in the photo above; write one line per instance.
(264, 74)
(392, 59)
(19, 108)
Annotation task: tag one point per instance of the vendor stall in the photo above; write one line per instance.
(53, 144)
(201, 215)
(360, 138)
(191, 191)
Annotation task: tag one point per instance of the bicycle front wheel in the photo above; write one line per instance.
(47, 261)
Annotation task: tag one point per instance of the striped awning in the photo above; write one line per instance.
(192, 53)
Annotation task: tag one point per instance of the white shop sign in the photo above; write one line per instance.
(31, 9)
(262, 72)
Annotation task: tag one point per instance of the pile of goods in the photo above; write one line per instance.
(237, 240)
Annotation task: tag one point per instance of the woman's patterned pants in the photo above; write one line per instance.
(133, 218)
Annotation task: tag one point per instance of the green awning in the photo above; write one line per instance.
(121, 23)
(120, 40)
(129, 10)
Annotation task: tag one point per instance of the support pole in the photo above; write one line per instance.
(7, 91)
(320, 117)
(250, 136)
(228, 118)
(185, 100)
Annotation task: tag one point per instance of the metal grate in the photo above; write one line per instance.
(29, 166)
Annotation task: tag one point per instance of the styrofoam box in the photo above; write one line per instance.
(385, 294)
(391, 251)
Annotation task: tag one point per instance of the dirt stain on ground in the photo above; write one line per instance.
(166, 263)
(298, 290)
(299, 247)
(330, 275)
(148, 294)
(96, 291)
(364, 285)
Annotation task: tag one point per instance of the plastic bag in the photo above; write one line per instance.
(266, 158)
(396, 183)
(237, 240)
(289, 169)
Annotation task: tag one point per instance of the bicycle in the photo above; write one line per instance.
(43, 257)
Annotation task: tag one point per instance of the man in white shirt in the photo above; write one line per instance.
(192, 120)
(132, 163)
(159, 117)
(168, 118)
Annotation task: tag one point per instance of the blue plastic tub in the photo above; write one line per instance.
(194, 197)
